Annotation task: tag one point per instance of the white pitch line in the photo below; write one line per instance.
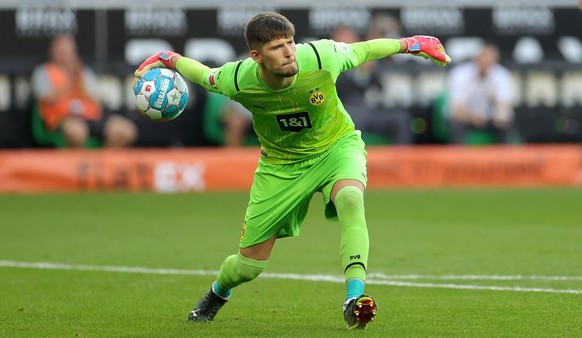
(123, 269)
(373, 278)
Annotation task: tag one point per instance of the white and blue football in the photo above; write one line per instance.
(161, 94)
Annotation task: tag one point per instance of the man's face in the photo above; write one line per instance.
(64, 52)
(278, 57)
(488, 57)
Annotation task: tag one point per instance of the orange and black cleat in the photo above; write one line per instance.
(359, 312)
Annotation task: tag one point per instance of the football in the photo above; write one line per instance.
(161, 94)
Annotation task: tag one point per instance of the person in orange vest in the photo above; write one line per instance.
(65, 90)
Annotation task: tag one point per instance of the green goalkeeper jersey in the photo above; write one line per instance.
(303, 120)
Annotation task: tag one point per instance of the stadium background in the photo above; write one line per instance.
(501, 259)
(540, 42)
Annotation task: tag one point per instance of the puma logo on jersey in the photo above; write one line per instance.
(264, 108)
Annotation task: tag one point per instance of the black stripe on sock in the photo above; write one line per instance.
(355, 263)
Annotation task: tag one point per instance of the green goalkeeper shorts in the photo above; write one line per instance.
(281, 193)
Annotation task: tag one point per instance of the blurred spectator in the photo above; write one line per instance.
(237, 121)
(384, 25)
(355, 88)
(227, 122)
(65, 91)
(480, 98)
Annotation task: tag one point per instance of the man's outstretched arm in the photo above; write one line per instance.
(190, 68)
(426, 46)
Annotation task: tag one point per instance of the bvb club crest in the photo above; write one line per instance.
(316, 97)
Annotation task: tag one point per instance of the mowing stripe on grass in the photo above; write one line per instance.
(475, 277)
(374, 279)
(476, 287)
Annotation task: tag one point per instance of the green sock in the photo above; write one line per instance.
(349, 203)
(237, 269)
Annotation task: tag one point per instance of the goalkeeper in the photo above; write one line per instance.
(308, 144)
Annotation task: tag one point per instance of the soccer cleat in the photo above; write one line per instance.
(358, 312)
(207, 307)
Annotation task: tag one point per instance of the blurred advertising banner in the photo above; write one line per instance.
(197, 170)
(541, 31)
(495, 166)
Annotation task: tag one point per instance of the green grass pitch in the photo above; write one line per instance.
(443, 263)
